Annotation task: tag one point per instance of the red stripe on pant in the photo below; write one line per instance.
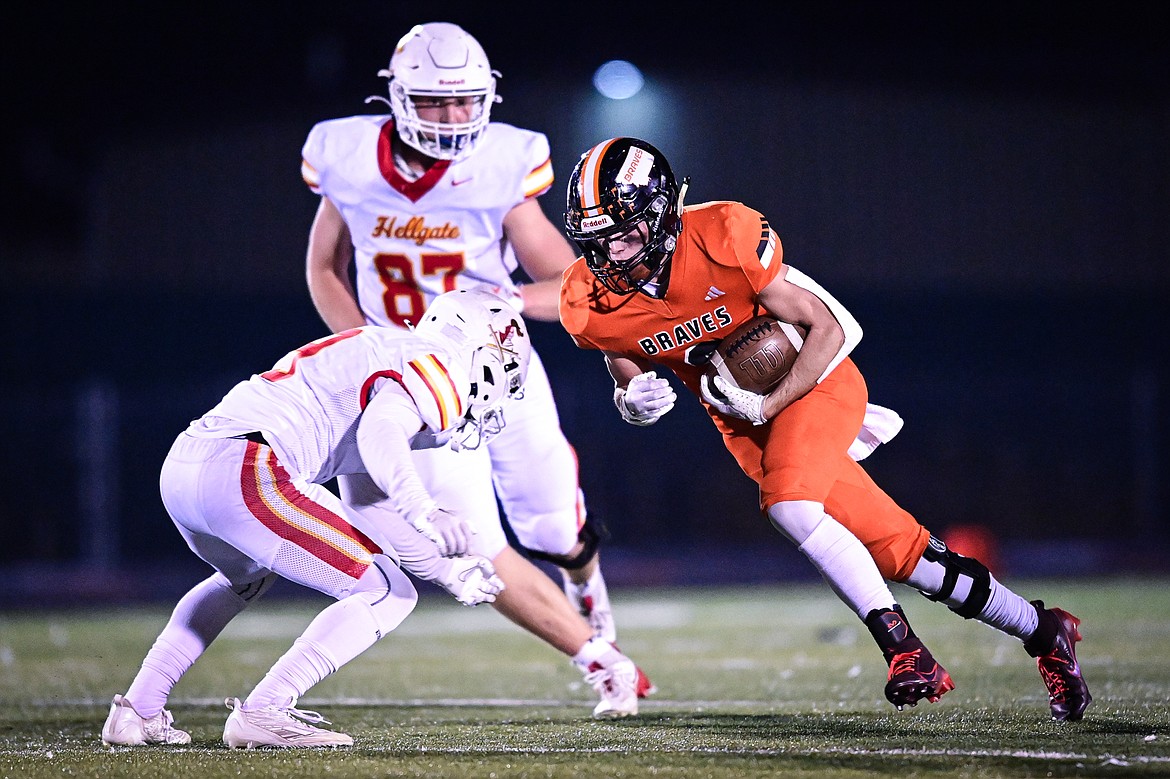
(263, 467)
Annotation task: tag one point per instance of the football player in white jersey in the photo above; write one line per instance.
(433, 197)
(243, 485)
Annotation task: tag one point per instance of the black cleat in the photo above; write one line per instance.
(1068, 695)
(914, 673)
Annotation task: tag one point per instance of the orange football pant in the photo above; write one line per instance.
(801, 454)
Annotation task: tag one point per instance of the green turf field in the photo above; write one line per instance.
(752, 682)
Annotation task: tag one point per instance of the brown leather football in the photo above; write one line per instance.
(758, 353)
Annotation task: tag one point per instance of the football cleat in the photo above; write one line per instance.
(1068, 695)
(278, 726)
(914, 675)
(644, 686)
(617, 685)
(126, 727)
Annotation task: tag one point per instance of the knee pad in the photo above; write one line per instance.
(591, 536)
(388, 593)
(966, 582)
(796, 519)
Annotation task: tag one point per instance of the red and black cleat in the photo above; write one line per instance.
(1054, 647)
(914, 673)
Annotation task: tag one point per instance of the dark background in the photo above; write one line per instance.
(987, 187)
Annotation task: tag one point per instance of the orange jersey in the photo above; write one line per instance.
(726, 254)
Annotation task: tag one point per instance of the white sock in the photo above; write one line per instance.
(596, 650)
(197, 619)
(1007, 611)
(848, 567)
(341, 632)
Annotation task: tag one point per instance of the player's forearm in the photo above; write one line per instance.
(821, 346)
(334, 301)
(419, 556)
(383, 441)
(542, 300)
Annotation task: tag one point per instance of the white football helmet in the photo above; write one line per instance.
(439, 59)
(495, 337)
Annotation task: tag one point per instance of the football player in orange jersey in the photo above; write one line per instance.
(657, 285)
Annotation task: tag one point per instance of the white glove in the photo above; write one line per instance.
(645, 400)
(732, 401)
(472, 579)
(451, 535)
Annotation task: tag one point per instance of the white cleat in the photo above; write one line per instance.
(126, 727)
(275, 726)
(617, 685)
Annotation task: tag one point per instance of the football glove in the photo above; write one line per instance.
(732, 401)
(450, 534)
(645, 399)
(472, 580)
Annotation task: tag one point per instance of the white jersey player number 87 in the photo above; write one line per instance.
(405, 278)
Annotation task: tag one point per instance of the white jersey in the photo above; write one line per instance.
(414, 240)
(308, 406)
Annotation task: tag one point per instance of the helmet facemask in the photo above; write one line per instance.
(439, 140)
(495, 338)
(491, 385)
(632, 274)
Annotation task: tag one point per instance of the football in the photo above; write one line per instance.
(757, 354)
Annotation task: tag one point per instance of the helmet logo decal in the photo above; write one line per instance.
(502, 342)
(596, 222)
(636, 168)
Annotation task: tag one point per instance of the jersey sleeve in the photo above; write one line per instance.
(330, 146)
(313, 157)
(439, 386)
(384, 431)
(736, 235)
(539, 178)
(577, 287)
